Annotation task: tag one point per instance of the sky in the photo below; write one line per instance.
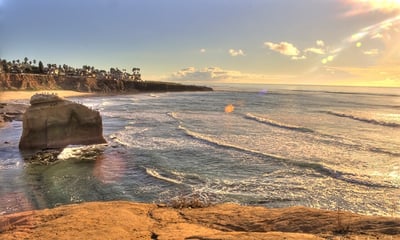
(320, 42)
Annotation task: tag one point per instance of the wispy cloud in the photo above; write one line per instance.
(371, 52)
(366, 6)
(315, 50)
(299, 57)
(205, 74)
(377, 36)
(288, 49)
(217, 74)
(320, 43)
(284, 48)
(235, 53)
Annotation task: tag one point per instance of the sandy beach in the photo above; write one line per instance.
(10, 96)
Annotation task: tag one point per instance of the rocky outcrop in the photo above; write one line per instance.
(53, 122)
(24, 81)
(11, 111)
(225, 221)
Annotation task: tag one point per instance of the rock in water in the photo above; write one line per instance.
(53, 122)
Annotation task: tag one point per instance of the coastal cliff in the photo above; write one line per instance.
(24, 81)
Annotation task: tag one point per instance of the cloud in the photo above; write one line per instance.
(235, 53)
(377, 36)
(205, 74)
(315, 50)
(328, 59)
(284, 48)
(372, 52)
(368, 6)
(217, 74)
(320, 43)
(298, 57)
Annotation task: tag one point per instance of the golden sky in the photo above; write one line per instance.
(338, 42)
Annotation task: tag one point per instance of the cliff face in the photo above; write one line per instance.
(11, 81)
(52, 122)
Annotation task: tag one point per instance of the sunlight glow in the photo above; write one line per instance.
(364, 6)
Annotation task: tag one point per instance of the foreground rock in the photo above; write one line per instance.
(53, 122)
(125, 220)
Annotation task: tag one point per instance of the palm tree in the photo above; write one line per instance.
(26, 60)
(41, 68)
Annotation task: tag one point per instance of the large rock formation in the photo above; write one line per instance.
(53, 122)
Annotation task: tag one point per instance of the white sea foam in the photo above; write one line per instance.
(154, 173)
(276, 124)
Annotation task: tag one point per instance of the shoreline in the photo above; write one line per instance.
(17, 96)
(132, 220)
(222, 221)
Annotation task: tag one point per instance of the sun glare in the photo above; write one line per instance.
(382, 5)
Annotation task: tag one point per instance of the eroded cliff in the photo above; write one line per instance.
(13, 81)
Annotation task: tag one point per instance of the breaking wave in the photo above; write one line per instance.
(362, 119)
(155, 174)
(277, 124)
(320, 168)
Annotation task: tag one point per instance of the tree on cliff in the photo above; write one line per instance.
(41, 68)
(6, 69)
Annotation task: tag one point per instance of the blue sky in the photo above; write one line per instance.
(340, 42)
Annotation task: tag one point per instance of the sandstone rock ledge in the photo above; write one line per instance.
(53, 122)
(127, 220)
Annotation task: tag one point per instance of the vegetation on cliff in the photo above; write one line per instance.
(25, 75)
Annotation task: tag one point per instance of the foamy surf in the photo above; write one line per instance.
(277, 124)
(152, 172)
(363, 119)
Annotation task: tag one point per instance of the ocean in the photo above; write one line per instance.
(265, 145)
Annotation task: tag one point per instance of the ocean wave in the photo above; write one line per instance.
(173, 115)
(362, 119)
(277, 124)
(318, 167)
(152, 172)
(350, 93)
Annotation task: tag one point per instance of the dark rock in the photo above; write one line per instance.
(45, 157)
(53, 122)
(12, 111)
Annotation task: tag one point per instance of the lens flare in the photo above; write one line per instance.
(229, 108)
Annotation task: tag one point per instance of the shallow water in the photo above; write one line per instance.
(324, 148)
